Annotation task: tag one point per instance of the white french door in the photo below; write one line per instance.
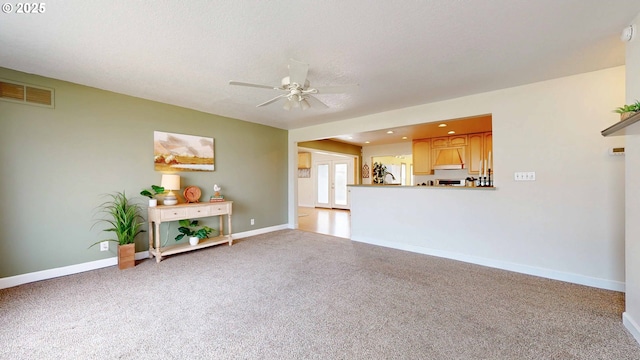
(332, 177)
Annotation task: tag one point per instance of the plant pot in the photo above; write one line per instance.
(626, 115)
(126, 256)
(153, 202)
(194, 240)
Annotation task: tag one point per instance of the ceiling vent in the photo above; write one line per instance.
(26, 94)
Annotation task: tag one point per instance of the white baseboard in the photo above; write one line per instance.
(523, 269)
(98, 264)
(260, 231)
(56, 272)
(631, 325)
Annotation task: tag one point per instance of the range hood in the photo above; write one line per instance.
(449, 159)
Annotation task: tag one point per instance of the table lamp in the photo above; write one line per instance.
(170, 182)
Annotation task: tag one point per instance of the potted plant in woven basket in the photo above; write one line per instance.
(123, 219)
(626, 111)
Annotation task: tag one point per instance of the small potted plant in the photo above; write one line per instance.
(188, 228)
(157, 190)
(626, 111)
(123, 218)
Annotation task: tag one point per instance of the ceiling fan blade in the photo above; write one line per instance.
(314, 102)
(298, 72)
(338, 89)
(272, 100)
(240, 83)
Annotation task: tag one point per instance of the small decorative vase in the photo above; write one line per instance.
(170, 200)
(193, 240)
(153, 202)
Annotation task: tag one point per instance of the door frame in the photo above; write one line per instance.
(331, 186)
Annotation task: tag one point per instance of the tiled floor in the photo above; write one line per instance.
(325, 221)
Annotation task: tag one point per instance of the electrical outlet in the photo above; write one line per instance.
(253, 221)
(104, 246)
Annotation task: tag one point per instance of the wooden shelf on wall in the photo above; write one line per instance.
(629, 126)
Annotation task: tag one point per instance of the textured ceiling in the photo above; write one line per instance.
(401, 53)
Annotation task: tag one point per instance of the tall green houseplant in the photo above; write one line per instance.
(124, 220)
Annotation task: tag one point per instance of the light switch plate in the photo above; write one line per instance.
(524, 176)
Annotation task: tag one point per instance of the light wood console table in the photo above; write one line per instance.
(164, 213)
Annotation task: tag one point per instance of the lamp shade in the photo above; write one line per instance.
(170, 182)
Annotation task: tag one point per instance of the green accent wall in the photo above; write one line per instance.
(57, 163)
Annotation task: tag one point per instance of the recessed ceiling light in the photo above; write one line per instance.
(367, 142)
(442, 125)
(451, 132)
(404, 138)
(350, 137)
(390, 132)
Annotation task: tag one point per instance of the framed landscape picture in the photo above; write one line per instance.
(178, 152)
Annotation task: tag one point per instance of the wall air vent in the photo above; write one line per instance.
(26, 94)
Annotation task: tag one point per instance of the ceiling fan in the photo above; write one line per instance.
(296, 90)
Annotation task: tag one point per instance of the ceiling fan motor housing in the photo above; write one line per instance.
(287, 85)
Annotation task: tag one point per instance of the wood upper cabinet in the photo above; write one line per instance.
(304, 160)
(440, 142)
(458, 140)
(422, 157)
(449, 141)
(488, 147)
(475, 152)
(478, 147)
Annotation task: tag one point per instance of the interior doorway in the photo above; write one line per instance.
(332, 178)
(334, 222)
(323, 193)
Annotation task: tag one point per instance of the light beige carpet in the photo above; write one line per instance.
(298, 295)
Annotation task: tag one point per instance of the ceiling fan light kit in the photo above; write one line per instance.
(297, 89)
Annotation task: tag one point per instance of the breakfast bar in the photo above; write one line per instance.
(437, 220)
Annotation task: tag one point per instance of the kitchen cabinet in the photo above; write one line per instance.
(475, 152)
(440, 142)
(479, 146)
(458, 140)
(422, 157)
(449, 141)
(488, 147)
(304, 160)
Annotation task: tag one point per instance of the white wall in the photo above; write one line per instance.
(306, 189)
(631, 316)
(569, 221)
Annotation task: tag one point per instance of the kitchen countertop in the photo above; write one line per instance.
(397, 186)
